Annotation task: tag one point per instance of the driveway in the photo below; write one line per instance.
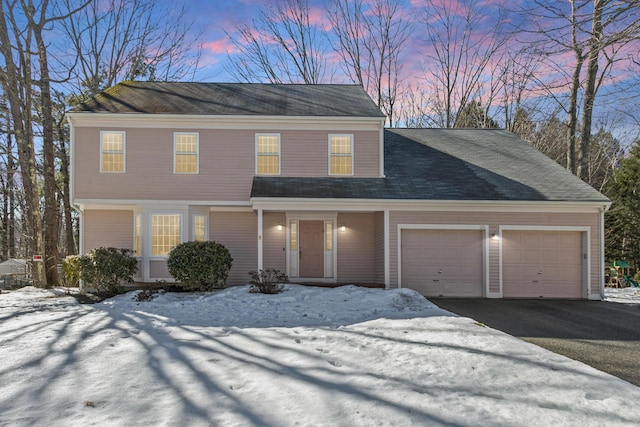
(601, 334)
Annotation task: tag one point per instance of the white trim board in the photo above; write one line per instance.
(193, 121)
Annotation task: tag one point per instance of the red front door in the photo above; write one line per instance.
(312, 249)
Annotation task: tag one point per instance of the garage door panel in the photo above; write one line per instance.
(542, 264)
(442, 262)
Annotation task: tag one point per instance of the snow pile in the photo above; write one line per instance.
(296, 306)
(309, 356)
(622, 295)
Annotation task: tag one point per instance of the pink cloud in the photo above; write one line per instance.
(219, 46)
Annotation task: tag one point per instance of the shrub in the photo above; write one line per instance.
(108, 269)
(71, 270)
(200, 266)
(268, 281)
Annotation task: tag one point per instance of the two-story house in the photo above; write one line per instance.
(305, 178)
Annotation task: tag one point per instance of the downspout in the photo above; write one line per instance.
(74, 206)
(602, 254)
(80, 211)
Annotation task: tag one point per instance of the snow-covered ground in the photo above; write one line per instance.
(307, 357)
(622, 295)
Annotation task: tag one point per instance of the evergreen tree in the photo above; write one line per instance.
(623, 219)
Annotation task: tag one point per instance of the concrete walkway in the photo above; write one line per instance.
(601, 334)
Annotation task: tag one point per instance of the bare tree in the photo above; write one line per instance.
(596, 32)
(282, 46)
(369, 38)
(460, 62)
(16, 77)
(116, 40)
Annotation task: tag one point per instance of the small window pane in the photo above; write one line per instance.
(186, 153)
(112, 151)
(165, 231)
(341, 155)
(294, 236)
(268, 155)
(199, 228)
(137, 248)
(328, 226)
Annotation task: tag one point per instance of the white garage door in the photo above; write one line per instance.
(542, 264)
(444, 263)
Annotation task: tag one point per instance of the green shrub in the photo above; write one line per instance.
(200, 266)
(268, 281)
(108, 269)
(71, 271)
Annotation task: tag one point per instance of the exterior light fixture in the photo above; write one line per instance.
(495, 236)
(343, 228)
(279, 227)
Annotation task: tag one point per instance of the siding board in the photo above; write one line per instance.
(106, 228)
(238, 232)
(356, 259)
(227, 163)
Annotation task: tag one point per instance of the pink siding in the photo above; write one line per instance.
(494, 220)
(108, 228)
(274, 253)
(227, 163)
(238, 231)
(306, 153)
(356, 260)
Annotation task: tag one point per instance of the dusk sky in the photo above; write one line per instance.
(214, 18)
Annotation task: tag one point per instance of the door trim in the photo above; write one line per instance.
(296, 217)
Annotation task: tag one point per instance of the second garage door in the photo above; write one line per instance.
(542, 264)
(444, 263)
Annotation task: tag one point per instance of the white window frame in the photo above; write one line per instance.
(197, 152)
(352, 155)
(193, 226)
(181, 217)
(124, 150)
(258, 135)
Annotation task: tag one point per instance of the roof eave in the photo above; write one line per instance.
(287, 203)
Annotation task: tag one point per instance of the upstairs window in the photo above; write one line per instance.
(165, 234)
(268, 154)
(112, 151)
(185, 149)
(340, 154)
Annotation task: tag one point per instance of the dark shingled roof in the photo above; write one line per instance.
(233, 99)
(447, 165)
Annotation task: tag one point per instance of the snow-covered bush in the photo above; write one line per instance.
(268, 281)
(200, 266)
(108, 269)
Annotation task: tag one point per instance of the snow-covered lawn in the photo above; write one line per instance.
(307, 357)
(622, 295)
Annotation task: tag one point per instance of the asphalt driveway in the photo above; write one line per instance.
(601, 334)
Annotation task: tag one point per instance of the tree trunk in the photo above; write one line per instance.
(50, 202)
(595, 47)
(572, 126)
(17, 87)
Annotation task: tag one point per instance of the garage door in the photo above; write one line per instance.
(542, 264)
(442, 262)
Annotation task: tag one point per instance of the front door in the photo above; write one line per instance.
(311, 249)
